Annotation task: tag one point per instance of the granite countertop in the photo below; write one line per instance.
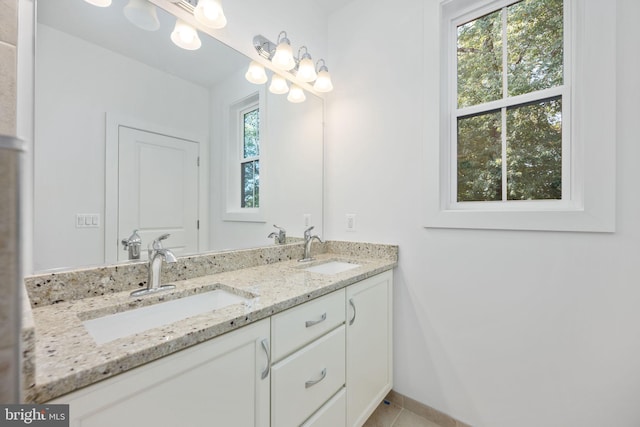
(64, 357)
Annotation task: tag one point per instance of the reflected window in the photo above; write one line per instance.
(250, 161)
(508, 116)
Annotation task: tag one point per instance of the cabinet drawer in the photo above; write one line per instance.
(304, 381)
(332, 414)
(298, 326)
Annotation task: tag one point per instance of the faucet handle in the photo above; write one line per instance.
(157, 243)
(307, 232)
(280, 228)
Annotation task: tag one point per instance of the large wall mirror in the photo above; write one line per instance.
(133, 132)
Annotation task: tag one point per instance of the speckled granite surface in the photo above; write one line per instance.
(65, 357)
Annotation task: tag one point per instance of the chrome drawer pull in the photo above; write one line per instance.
(310, 323)
(353, 319)
(265, 347)
(314, 382)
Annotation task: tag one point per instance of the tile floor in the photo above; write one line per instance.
(391, 415)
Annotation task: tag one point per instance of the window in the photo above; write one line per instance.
(250, 161)
(525, 135)
(509, 114)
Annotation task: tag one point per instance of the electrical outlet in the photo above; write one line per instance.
(307, 220)
(351, 222)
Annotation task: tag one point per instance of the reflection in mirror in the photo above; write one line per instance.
(134, 133)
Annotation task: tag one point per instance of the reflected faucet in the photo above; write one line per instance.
(308, 238)
(132, 244)
(156, 255)
(280, 238)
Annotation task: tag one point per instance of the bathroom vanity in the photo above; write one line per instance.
(308, 346)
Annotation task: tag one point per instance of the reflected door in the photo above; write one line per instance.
(157, 190)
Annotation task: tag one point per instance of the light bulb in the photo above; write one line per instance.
(210, 14)
(142, 14)
(278, 85)
(185, 36)
(306, 69)
(296, 94)
(255, 73)
(99, 3)
(283, 58)
(323, 82)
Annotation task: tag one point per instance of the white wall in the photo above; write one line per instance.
(496, 328)
(76, 83)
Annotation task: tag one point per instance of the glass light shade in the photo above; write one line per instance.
(185, 36)
(306, 70)
(278, 85)
(283, 58)
(296, 94)
(323, 83)
(255, 73)
(142, 14)
(209, 13)
(99, 3)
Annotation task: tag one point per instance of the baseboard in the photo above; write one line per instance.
(423, 410)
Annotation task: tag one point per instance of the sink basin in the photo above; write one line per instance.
(331, 267)
(111, 327)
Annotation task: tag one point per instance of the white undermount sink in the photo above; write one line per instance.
(331, 267)
(113, 326)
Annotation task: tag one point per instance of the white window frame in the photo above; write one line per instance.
(588, 102)
(234, 156)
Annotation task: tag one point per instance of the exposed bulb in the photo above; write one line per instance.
(209, 13)
(296, 94)
(99, 3)
(278, 85)
(142, 14)
(185, 36)
(256, 74)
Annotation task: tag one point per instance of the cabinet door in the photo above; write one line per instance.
(369, 346)
(218, 382)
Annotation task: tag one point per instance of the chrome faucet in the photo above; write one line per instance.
(156, 255)
(280, 238)
(132, 244)
(308, 238)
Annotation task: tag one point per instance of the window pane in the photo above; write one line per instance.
(480, 60)
(534, 45)
(480, 157)
(534, 151)
(250, 190)
(251, 134)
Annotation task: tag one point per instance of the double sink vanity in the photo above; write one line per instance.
(247, 338)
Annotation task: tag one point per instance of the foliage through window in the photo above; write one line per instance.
(508, 119)
(250, 162)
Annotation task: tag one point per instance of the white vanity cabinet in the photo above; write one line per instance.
(224, 381)
(309, 362)
(369, 361)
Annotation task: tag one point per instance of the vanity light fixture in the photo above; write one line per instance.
(185, 36)
(323, 82)
(256, 74)
(142, 14)
(302, 67)
(210, 14)
(278, 85)
(296, 94)
(99, 3)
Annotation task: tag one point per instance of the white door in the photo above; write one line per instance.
(157, 190)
